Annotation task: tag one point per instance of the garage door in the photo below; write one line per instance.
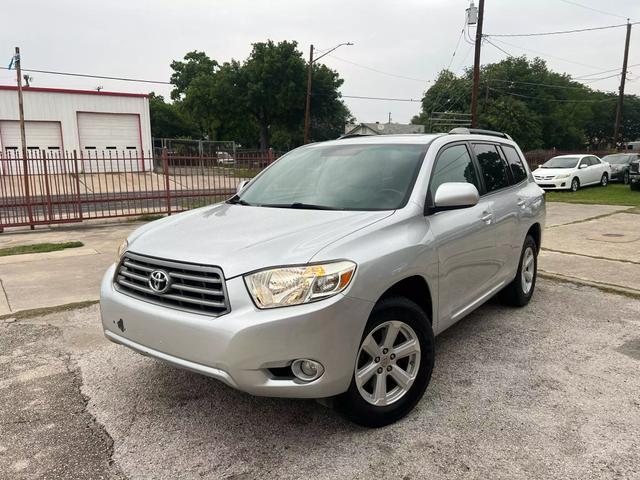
(40, 136)
(108, 133)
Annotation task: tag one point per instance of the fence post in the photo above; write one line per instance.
(77, 175)
(27, 197)
(47, 188)
(165, 171)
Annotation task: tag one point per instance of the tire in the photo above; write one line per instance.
(400, 313)
(604, 180)
(520, 290)
(625, 178)
(575, 184)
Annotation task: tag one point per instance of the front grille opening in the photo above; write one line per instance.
(193, 288)
(281, 373)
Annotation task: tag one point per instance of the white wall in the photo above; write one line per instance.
(63, 107)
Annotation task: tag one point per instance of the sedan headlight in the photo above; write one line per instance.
(564, 175)
(296, 284)
(121, 249)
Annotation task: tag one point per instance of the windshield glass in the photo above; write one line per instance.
(338, 177)
(617, 159)
(561, 162)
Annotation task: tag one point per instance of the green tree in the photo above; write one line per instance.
(168, 121)
(195, 64)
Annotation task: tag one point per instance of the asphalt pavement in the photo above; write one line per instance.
(547, 391)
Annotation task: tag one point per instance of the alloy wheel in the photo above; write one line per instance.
(528, 270)
(388, 363)
(575, 184)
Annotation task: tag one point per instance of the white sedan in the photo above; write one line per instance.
(570, 172)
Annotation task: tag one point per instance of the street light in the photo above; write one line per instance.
(307, 113)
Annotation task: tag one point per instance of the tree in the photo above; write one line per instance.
(196, 64)
(168, 121)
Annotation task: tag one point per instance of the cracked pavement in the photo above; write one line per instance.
(548, 391)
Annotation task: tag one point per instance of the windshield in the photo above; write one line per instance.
(617, 159)
(338, 177)
(561, 162)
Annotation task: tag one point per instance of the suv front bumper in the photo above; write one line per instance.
(634, 179)
(239, 347)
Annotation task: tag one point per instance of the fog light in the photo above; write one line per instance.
(307, 370)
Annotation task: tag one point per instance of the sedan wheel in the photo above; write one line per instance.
(604, 181)
(575, 185)
(625, 178)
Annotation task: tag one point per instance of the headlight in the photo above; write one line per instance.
(564, 175)
(121, 249)
(280, 287)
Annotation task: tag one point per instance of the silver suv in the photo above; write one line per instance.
(330, 273)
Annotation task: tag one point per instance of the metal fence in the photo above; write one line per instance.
(64, 187)
(535, 158)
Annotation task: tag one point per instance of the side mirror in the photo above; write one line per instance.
(454, 195)
(583, 165)
(241, 185)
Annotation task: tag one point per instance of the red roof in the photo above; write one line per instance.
(68, 90)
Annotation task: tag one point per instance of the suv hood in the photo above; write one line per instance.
(240, 238)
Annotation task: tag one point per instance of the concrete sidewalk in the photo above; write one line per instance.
(592, 244)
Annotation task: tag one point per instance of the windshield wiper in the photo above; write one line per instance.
(236, 200)
(299, 205)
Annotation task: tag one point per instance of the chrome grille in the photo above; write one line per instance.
(193, 288)
(634, 167)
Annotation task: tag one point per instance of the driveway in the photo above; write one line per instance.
(548, 391)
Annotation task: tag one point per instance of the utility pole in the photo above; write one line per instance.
(476, 67)
(23, 136)
(307, 112)
(616, 129)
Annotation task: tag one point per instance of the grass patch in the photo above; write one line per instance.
(613, 194)
(38, 248)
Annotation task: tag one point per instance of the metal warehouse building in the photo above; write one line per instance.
(93, 123)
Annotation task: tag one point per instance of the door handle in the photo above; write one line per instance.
(487, 218)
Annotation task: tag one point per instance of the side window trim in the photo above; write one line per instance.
(429, 196)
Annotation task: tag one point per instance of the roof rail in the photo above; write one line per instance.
(354, 135)
(479, 131)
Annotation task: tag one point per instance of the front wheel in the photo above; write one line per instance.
(604, 181)
(520, 290)
(575, 185)
(393, 365)
(625, 178)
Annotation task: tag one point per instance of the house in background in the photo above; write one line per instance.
(381, 128)
(93, 123)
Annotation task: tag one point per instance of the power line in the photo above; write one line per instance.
(121, 79)
(381, 72)
(570, 2)
(561, 100)
(382, 98)
(559, 32)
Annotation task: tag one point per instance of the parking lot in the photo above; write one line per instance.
(550, 391)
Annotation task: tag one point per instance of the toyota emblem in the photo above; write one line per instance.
(159, 281)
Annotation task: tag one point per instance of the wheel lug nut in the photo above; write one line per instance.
(392, 356)
(377, 359)
(380, 370)
(385, 350)
(389, 368)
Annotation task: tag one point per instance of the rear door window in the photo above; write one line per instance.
(518, 170)
(494, 169)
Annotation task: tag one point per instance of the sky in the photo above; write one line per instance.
(399, 46)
